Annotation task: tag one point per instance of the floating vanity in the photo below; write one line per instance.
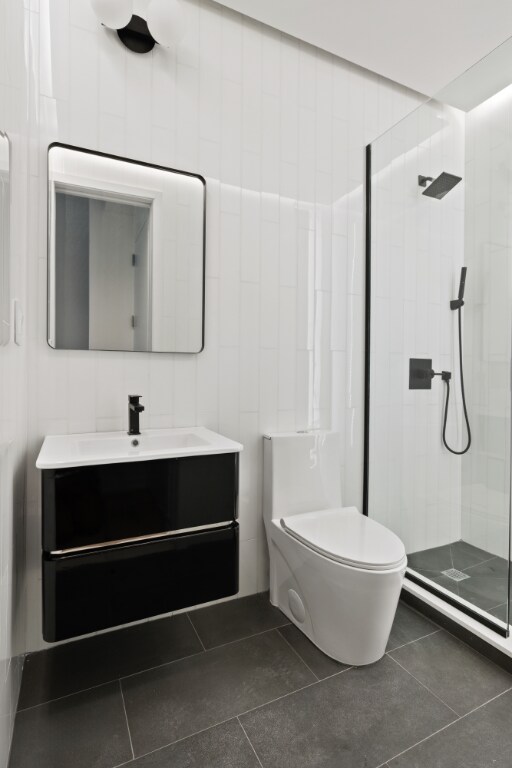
(137, 526)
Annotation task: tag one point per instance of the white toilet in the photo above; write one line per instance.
(335, 573)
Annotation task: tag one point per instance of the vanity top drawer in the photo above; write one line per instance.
(87, 506)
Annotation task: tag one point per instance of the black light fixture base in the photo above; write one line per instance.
(136, 35)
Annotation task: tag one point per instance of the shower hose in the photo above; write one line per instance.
(446, 380)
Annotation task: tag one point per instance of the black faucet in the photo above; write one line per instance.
(134, 408)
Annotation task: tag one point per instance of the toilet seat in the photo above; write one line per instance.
(344, 535)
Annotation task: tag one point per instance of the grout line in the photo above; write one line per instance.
(480, 653)
(68, 695)
(426, 688)
(241, 714)
(477, 565)
(248, 637)
(126, 717)
(291, 693)
(207, 650)
(195, 630)
(151, 669)
(410, 642)
(493, 607)
(444, 728)
(419, 613)
(467, 645)
(298, 654)
(250, 742)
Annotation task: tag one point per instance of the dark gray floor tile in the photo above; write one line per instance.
(483, 739)
(460, 676)
(223, 746)
(318, 662)
(83, 730)
(436, 559)
(500, 612)
(179, 699)
(236, 619)
(408, 626)
(355, 720)
(464, 553)
(487, 585)
(455, 555)
(85, 663)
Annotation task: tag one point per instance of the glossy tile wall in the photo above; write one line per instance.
(487, 314)
(417, 253)
(14, 61)
(278, 129)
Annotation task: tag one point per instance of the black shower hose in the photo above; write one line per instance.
(447, 382)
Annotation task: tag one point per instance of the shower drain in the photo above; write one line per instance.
(455, 575)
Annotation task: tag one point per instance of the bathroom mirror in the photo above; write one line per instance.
(5, 209)
(126, 244)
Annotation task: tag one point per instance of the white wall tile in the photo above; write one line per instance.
(278, 128)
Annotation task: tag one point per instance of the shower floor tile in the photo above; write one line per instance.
(270, 699)
(487, 584)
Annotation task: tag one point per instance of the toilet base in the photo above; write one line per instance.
(346, 612)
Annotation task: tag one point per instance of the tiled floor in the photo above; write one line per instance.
(487, 585)
(237, 686)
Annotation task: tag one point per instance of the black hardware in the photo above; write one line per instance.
(420, 373)
(445, 375)
(134, 408)
(439, 187)
(136, 35)
(459, 301)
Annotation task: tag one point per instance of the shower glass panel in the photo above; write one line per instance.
(450, 507)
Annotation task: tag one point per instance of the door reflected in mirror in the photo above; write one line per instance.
(126, 255)
(5, 214)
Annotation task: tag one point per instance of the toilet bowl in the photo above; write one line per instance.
(336, 574)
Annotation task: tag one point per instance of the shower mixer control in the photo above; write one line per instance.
(420, 373)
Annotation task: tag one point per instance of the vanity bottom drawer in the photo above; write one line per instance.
(91, 591)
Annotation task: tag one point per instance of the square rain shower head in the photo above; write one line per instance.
(442, 185)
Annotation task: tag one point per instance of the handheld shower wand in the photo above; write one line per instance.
(456, 305)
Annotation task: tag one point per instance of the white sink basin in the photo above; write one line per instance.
(115, 447)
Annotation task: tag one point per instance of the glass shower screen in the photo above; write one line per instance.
(451, 509)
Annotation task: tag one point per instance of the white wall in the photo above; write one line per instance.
(417, 253)
(487, 315)
(278, 129)
(13, 59)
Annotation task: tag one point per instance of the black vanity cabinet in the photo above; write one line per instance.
(123, 542)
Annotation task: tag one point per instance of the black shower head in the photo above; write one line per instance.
(440, 186)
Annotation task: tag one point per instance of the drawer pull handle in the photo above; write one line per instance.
(138, 539)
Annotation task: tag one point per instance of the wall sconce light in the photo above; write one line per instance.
(165, 23)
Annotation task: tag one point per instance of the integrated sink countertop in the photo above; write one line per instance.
(116, 447)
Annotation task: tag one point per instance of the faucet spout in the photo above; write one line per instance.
(134, 408)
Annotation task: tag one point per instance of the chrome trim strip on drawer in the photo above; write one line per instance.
(137, 539)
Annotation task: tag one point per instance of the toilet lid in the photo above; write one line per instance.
(348, 537)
